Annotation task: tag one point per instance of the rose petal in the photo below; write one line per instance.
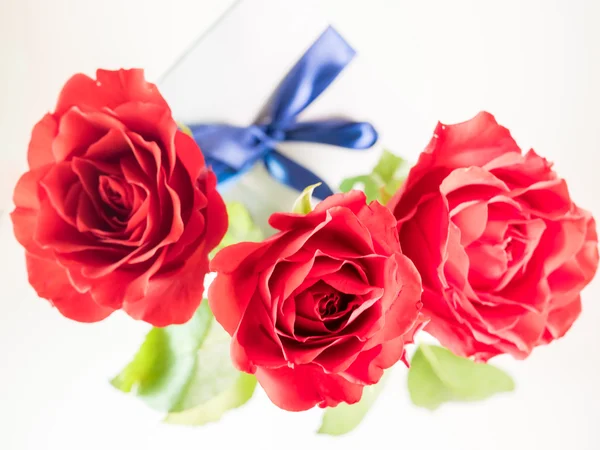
(369, 366)
(50, 282)
(114, 144)
(256, 336)
(471, 218)
(130, 85)
(521, 171)
(231, 290)
(548, 199)
(424, 238)
(189, 154)
(303, 387)
(39, 152)
(561, 319)
(78, 130)
(468, 184)
(126, 285)
(382, 227)
(112, 89)
(153, 123)
(172, 297)
(402, 302)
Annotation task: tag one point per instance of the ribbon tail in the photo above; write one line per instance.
(341, 133)
(294, 175)
(229, 150)
(311, 75)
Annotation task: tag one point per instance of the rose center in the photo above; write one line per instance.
(508, 249)
(116, 196)
(333, 305)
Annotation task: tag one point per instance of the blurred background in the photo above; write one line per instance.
(535, 64)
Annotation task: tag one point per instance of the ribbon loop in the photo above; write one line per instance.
(311, 75)
(232, 150)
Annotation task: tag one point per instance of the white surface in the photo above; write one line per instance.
(534, 64)
(243, 42)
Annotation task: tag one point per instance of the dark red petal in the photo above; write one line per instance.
(229, 295)
(231, 257)
(216, 217)
(52, 232)
(51, 282)
(369, 366)
(303, 387)
(153, 123)
(125, 284)
(58, 185)
(348, 281)
(298, 352)
(39, 152)
(256, 336)
(339, 357)
(424, 238)
(112, 145)
(293, 221)
(170, 231)
(172, 297)
(189, 154)
(402, 299)
(78, 130)
(341, 236)
(147, 153)
(287, 277)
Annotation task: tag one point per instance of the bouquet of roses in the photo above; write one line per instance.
(478, 245)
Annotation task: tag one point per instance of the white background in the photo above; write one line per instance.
(534, 64)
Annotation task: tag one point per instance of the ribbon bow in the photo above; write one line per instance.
(232, 150)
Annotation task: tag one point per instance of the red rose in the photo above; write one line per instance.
(118, 209)
(321, 308)
(502, 249)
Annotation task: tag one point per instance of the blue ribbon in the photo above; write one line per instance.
(232, 150)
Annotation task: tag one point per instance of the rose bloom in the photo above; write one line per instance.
(321, 308)
(502, 249)
(118, 209)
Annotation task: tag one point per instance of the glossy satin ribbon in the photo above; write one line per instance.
(233, 150)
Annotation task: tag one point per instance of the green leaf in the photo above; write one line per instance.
(438, 376)
(387, 166)
(181, 366)
(387, 192)
(160, 371)
(241, 227)
(211, 411)
(344, 418)
(382, 183)
(184, 128)
(303, 204)
(370, 186)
